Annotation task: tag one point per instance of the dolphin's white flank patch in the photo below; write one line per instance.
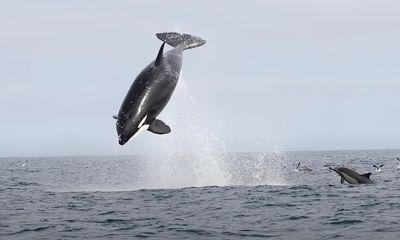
(349, 179)
(142, 102)
(141, 122)
(141, 129)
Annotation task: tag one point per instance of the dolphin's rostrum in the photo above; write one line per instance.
(153, 88)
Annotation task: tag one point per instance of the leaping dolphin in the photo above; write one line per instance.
(153, 88)
(351, 176)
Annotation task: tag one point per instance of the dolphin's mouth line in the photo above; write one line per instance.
(336, 171)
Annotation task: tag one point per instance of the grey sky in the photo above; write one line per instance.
(306, 75)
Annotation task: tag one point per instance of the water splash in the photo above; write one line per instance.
(190, 155)
(262, 162)
(193, 156)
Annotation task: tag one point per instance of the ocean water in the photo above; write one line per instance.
(229, 196)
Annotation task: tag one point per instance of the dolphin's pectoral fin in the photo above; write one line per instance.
(115, 117)
(341, 180)
(367, 175)
(159, 127)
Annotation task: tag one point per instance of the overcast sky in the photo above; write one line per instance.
(301, 75)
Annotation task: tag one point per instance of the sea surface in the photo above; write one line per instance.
(226, 196)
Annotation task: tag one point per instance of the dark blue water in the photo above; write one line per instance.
(101, 197)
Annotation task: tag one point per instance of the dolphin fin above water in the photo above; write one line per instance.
(159, 127)
(367, 175)
(160, 55)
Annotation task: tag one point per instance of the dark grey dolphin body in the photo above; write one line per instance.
(153, 87)
(351, 176)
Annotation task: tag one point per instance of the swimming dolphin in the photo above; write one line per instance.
(153, 88)
(303, 168)
(351, 176)
(377, 168)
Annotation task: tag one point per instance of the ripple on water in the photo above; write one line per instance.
(322, 209)
(297, 217)
(21, 183)
(35, 229)
(345, 222)
(250, 234)
(107, 213)
(115, 220)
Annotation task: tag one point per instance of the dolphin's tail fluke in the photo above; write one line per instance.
(177, 40)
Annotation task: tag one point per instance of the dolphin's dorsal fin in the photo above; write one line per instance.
(160, 55)
(159, 127)
(367, 175)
